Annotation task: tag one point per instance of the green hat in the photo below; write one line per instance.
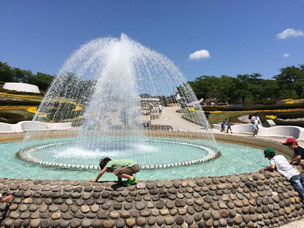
(269, 152)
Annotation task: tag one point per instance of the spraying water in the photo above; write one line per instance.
(110, 91)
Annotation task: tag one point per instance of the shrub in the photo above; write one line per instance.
(248, 108)
(19, 102)
(293, 123)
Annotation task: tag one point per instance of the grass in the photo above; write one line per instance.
(215, 118)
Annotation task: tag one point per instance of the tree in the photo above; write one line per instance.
(291, 78)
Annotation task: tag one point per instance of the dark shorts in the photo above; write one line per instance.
(126, 170)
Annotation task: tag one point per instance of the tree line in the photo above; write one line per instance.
(13, 74)
(251, 87)
(240, 89)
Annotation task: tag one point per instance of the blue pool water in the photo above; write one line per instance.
(235, 159)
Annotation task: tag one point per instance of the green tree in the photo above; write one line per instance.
(6, 73)
(291, 79)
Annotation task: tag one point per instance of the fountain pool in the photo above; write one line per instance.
(235, 159)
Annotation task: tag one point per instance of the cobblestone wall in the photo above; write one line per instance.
(250, 200)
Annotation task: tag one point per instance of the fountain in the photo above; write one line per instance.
(110, 90)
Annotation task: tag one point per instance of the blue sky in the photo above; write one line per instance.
(238, 36)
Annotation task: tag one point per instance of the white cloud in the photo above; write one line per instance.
(201, 54)
(286, 55)
(287, 33)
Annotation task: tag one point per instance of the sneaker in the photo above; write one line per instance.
(130, 182)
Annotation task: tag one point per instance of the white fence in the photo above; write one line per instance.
(32, 125)
(288, 131)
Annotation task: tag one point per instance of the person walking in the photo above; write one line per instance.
(228, 123)
(255, 120)
(223, 125)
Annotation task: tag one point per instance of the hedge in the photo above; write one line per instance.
(19, 102)
(248, 108)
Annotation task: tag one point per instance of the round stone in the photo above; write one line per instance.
(45, 223)
(114, 214)
(223, 222)
(14, 215)
(22, 207)
(238, 219)
(120, 223)
(169, 220)
(180, 203)
(189, 220)
(94, 208)
(215, 215)
(28, 200)
(179, 220)
(85, 209)
(145, 213)
(151, 221)
(53, 208)
(75, 223)
(141, 205)
(130, 222)
(56, 216)
(35, 223)
(86, 223)
(209, 223)
(164, 211)
(108, 223)
(160, 204)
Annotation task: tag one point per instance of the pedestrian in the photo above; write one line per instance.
(228, 123)
(223, 125)
(255, 120)
(280, 163)
(160, 109)
(121, 168)
(298, 156)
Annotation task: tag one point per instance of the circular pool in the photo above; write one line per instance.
(151, 153)
(235, 159)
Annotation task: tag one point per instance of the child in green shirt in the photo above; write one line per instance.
(121, 168)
